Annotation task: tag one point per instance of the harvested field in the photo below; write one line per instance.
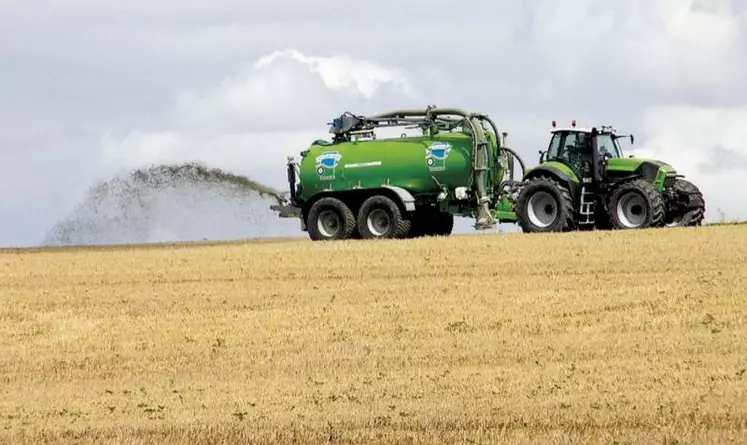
(625, 337)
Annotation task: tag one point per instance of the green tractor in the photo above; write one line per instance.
(583, 182)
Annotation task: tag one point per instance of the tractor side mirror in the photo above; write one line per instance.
(632, 139)
(542, 155)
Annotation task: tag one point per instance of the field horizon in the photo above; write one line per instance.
(597, 337)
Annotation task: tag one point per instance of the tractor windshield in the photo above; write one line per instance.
(606, 145)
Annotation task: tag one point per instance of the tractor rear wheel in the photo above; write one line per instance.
(330, 219)
(636, 204)
(690, 205)
(544, 205)
(380, 217)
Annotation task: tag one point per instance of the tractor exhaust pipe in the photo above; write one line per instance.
(595, 158)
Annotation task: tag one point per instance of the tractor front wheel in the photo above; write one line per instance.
(689, 210)
(636, 204)
(380, 217)
(330, 219)
(544, 205)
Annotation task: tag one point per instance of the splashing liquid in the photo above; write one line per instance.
(163, 203)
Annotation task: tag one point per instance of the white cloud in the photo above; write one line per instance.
(250, 122)
(708, 145)
(666, 45)
(342, 73)
(140, 148)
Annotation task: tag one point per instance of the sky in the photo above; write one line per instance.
(90, 88)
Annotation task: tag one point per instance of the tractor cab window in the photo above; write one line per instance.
(573, 148)
(607, 145)
(555, 143)
(568, 146)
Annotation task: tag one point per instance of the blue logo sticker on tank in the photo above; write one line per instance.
(436, 154)
(326, 164)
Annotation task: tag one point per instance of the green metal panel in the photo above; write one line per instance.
(631, 164)
(410, 163)
(504, 210)
(624, 164)
(652, 169)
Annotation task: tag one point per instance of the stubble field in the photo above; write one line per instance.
(627, 337)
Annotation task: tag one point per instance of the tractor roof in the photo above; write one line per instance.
(603, 129)
(575, 129)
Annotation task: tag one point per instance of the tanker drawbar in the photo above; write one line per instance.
(361, 185)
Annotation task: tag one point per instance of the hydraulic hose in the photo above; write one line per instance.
(517, 157)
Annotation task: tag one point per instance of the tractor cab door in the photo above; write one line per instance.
(574, 149)
(604, 149)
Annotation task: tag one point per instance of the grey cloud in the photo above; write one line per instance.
(724, 160)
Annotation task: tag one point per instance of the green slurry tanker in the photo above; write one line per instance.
(359, 185)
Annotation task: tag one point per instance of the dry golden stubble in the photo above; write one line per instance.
(567, 338)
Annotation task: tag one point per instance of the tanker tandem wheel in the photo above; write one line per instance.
(330, 219)
(378, 217)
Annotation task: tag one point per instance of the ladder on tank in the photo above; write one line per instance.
(588, 205)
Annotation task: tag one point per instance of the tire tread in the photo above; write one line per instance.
(648, 190)
(695, 215)
(566, 207)
(348, 218)
(402, 224)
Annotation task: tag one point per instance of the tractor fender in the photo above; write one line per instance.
(405, 197)
(556, 174)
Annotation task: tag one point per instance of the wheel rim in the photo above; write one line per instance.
(631, 210)
(378, 222)
(329, 223)
(543, 209)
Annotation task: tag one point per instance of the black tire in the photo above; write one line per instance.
(442, 224)
(337, 215)
(690, 206)
(644, 199)
(559, 204)
(431, 224)
(419, 225)
(394, 225)
(603, 221)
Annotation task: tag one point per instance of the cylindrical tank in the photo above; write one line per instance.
(408, 162)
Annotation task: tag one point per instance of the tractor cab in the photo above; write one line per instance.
(584, 150)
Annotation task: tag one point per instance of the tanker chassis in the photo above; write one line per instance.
(362, 186)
